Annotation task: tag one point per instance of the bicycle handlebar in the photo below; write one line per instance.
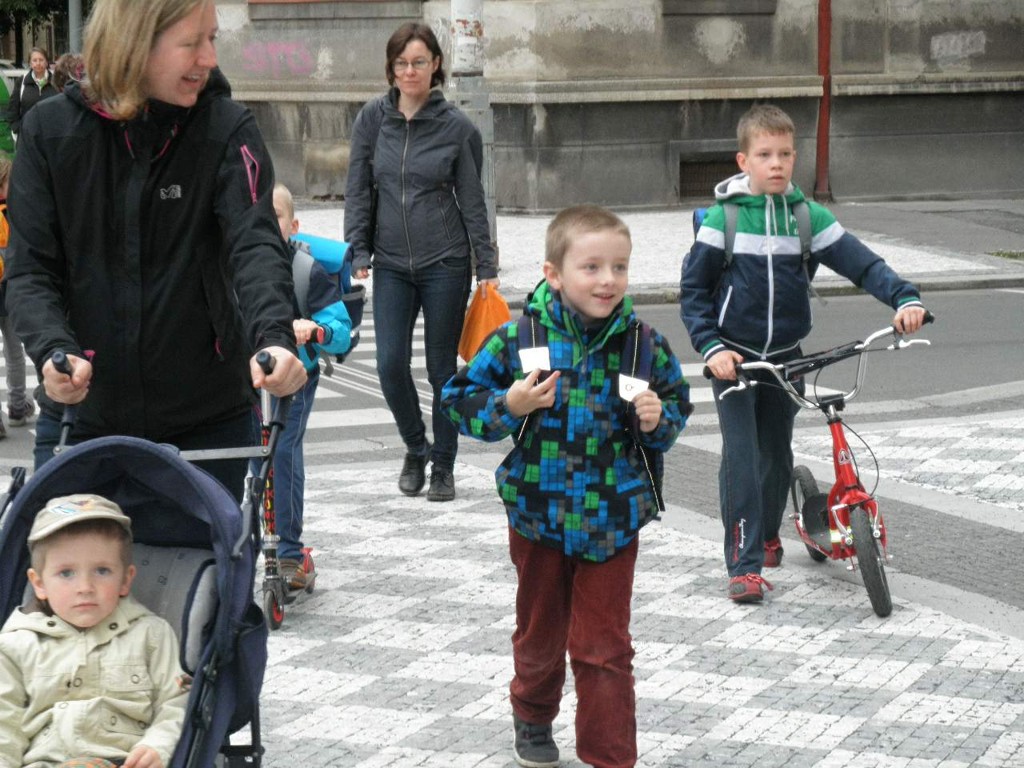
(786, 373)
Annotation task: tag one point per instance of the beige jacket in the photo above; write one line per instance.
(66, 692)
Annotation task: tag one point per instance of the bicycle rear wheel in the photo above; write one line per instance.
(804, 487)
(872, 565)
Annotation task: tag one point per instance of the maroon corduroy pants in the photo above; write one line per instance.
(567, 604)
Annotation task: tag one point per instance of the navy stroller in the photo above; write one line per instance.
(195, 551)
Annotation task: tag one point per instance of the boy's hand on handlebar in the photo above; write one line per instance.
(62, 388)
(909, 319)
(723, 364)
(527, 395)
(305, 331)
(288, 376)
(648, 409)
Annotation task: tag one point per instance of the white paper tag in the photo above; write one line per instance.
(532, 358)
(629, 387)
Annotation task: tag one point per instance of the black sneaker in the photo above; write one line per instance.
(414, 472)
(534, 747)
(21, 416)
(442, 485)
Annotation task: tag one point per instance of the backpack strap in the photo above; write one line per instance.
(302, 269)
(377, 117)
(638, 359)
(802, 214)
(527, 328)
(731, 213)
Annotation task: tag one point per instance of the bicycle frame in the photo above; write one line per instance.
(847, 492)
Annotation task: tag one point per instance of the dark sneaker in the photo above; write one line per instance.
(534, 747)
(414, 472)
(442, 486)
(747, 588)
(20, 417)
(773, 553)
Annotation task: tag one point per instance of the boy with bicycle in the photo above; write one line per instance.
(757, 306)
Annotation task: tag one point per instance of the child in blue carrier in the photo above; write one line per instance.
(324, 310)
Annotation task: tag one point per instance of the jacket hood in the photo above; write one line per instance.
(736, 189)
(128, 610)
(546, 304)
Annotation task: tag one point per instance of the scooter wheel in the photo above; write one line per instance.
(273, 610)
(805, 487)
(871, 562)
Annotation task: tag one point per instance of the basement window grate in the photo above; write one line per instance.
(697, 179)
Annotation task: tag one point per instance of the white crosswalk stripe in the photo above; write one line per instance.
(358, 377)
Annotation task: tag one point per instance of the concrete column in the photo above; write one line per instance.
(74, 26)
(469, 89)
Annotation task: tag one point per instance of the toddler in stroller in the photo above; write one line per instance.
(123, 698)
(195, 553)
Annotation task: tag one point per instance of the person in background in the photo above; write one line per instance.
(35, 86)
(324, 312)
(415, 213)
(68, 67)
(19, 407)
(156, 264)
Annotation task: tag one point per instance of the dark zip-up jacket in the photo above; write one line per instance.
(25, 95)
(425, 173)
(139, 242)
(759, 305)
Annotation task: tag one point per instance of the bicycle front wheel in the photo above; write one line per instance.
(871, 562)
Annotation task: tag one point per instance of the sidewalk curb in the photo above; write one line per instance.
(669, 294)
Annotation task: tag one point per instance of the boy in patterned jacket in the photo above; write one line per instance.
(575, 485)
(758, 308)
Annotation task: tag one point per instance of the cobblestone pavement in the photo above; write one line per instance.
(979, 459)
(402, 655)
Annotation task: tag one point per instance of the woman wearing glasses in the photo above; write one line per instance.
(415, 212)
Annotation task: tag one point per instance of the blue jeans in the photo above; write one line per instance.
(235, 432)
(757, 464)
(290, 471)
(441, 290)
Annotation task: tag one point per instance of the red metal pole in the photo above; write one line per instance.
(822, 189)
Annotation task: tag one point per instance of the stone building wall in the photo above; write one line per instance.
(633, 103)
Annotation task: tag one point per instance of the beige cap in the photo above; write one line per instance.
(63, 511)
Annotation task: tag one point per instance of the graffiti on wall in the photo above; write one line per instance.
(278, 58)
(954, 48)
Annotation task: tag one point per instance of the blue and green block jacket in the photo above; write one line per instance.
(574, 480)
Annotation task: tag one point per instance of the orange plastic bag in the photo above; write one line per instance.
(487, 311)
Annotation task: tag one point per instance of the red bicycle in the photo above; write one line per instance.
(843, 524)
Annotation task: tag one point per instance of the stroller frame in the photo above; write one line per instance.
(172, 504)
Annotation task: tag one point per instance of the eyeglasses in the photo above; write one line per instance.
(419, 65)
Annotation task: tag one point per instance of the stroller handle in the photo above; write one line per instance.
(62, 364)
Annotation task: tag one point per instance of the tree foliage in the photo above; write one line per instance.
(13, 13)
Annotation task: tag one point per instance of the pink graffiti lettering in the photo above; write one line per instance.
(278, 58)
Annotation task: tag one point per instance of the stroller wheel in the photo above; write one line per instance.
(272, 609)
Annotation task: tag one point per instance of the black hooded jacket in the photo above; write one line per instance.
(133, 241)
